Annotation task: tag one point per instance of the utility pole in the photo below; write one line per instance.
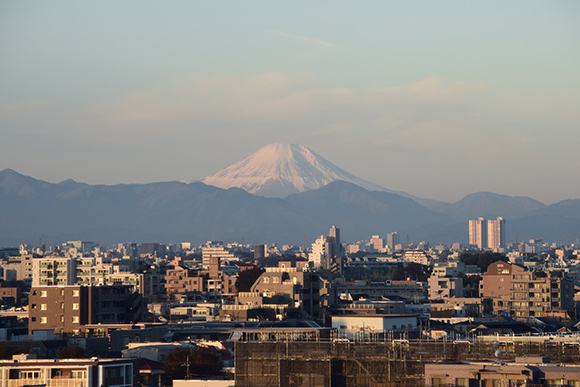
(186, 364)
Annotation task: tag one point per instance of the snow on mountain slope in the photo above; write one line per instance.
(278, 170)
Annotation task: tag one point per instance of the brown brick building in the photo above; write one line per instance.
(496, 282)
(522, 294)
(182, 280)
(68, 309)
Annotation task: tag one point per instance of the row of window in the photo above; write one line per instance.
(44, 320)
(75, 306)
(44, 293)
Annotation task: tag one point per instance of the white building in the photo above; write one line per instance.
(216, 249)
(320, 251)
(496, 234)
(374, 322)
(25, 370)
(478, 233)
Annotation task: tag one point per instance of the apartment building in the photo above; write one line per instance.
(522, 294)
(496, 282)
(287, 286)
(18, 268)
(445, 287)
(25, 370)
(182, 280)
(68, 309)
(537, 294)
(524, 371)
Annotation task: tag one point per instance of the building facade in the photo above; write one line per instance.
(68, 309)
(478, 233)
(23, 370)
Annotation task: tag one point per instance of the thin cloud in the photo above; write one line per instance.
(307, 39)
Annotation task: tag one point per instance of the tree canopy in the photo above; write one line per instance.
(202, 361)
(247, 278)
(483, 259)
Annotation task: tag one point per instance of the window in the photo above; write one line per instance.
(43, 293)
(42, 306)
(29, 374)
(75, 319)
(78, 374)
(75, 306)
(75, 293)
(44, 320)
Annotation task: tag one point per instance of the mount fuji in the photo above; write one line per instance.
(278, 170)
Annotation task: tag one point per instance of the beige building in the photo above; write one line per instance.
(478, 233)
(496, 234)
(286, 286)
(445, 287)
(523, 294)
(524, 371)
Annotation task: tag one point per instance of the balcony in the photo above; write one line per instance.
(54, 382)
(58, 382)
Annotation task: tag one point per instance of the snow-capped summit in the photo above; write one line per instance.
(278, 170)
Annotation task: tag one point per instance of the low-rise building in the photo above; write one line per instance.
(25, 370)
(524, 371)
(445, 287)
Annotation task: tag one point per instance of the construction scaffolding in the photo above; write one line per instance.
(388, 363)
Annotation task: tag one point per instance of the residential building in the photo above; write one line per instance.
(417, 256)
(378, 243)
(393, 290)
(392, 240)
(18, 268)
(478, 233)
(53, 271)
(327, 251)
(25, 370)
(496, 234)
(537, 294)
(286, 286)
(445, 287)
(522, 294)
(68, 309)
(524, 371)
(216, 249)
(374, 322)
(496, 282)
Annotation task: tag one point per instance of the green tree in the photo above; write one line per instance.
(247, 278)
(482, 260)
(201, 361)
(71, 352)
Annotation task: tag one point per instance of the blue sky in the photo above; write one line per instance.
(439, 99)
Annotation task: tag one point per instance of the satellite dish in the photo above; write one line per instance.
(497, 353)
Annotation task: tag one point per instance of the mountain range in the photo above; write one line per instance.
(297, 197)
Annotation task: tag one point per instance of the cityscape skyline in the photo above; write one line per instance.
(437, 100)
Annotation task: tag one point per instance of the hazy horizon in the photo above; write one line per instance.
(439, 100)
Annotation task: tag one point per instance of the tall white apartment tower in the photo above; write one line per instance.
(478, 233)
(496, 234)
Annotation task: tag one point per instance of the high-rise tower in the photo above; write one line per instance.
(496, 234)
(478, 233)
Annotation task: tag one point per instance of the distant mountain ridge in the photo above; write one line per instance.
(173, 212)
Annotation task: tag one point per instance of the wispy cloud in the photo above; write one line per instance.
(307, 39)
